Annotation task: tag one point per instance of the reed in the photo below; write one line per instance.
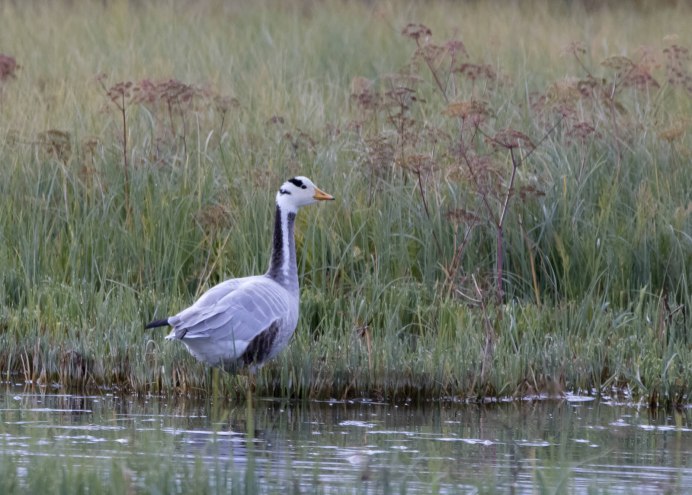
(513, 217)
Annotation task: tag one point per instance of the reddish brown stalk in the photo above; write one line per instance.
(125, 160)
(434, 73)
(499, 256)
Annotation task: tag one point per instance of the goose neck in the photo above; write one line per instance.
(282, 264)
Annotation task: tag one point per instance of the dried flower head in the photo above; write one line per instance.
(648, 57)
(675, 131)
(458, 216)
(629, 73)
(120, 92)
(575, 49)
(416, 31)
(175, 94)
(401, 96)
(456, 48)
(511, 139)
(526, 192)
(276, 120)
(431, 54)
(677, 62)
(223, 104)
(363, 93)
(618, 63)
(475, 111)
(8, 67)
(57, 143)
(581, 131)
(418, 163)
(214, 217)
(379, 154)
(475, 72)
(567, 90)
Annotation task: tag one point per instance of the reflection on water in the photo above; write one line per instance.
(575, 445)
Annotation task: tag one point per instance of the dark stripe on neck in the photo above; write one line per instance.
(278, 256)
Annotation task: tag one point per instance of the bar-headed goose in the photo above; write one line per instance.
(246, 321)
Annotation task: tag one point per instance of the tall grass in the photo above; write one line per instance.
(518, 224)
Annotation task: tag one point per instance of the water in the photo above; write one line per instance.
(577, 445)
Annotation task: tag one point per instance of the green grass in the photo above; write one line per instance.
(400, 298)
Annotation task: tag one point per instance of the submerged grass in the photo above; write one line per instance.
(514, 210)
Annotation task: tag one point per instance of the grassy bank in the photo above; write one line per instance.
(513, 216)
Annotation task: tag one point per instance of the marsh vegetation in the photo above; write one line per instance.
(514, 213)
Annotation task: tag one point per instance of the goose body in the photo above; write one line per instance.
(247, 321)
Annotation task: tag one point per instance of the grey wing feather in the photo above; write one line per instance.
(207, 301)
(219, 291)
(239, 314)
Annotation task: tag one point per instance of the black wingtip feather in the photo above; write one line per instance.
(157, 323)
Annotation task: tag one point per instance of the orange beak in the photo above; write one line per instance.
(322, 196)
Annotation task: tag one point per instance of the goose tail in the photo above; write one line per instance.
(157, 323)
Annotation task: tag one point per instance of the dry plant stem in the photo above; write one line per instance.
(125, 160)
(453, 268)
(122, 107)
(184, 126)
(582, 65)
(488, 207)
(169, 107)
(610, 97)
(499, 222)
(499, 255)
(434, 74)
(221, 126)
(611, 101)
(613, 119)
(510, 189)
(469, 165)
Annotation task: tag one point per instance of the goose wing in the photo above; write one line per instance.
(235, 313)
(216, 293)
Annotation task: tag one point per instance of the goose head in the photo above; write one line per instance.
(299, 191)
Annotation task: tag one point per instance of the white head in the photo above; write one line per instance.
(299, 191)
